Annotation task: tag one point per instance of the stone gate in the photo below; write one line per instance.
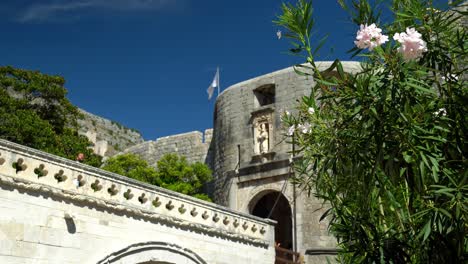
(54, 210)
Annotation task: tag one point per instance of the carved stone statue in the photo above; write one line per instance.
(262, 138)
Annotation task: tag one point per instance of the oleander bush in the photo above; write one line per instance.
(386, 148)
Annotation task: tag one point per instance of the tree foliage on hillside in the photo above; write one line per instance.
(173, 172)
(386, 148)
(35, 112)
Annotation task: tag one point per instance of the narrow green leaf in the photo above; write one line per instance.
(445, 212)
(420, 88)
(426, 230)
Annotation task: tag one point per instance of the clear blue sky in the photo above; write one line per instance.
(147, 64)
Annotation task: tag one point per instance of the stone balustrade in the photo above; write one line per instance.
(32, 169)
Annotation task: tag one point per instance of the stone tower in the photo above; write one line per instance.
(251, 159)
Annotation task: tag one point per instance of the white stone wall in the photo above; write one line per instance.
(33, 229)
(49, 214)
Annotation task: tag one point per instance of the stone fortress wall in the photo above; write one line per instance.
(195, 146)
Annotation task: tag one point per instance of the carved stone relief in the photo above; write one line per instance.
(262, 126)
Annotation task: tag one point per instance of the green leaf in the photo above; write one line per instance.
(421, 88)
(445, 212)
(374, 112)
(407, 157)
(423, 157)
(426, 231)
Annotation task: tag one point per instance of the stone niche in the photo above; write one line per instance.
(263, 141)
(264, 95)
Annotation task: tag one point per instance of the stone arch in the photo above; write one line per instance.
(153, 253)
(258, 195)
(154, 262)
(257, 192)
(274, 205)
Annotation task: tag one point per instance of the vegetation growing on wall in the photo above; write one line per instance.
(173, 172)
(386, 148)
(35, 112)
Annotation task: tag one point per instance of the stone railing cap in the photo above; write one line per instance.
(113, 176)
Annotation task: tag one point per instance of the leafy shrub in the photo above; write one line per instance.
(173, 173)
(35, 112)
(386, 148)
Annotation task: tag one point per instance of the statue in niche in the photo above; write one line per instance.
(262, 138)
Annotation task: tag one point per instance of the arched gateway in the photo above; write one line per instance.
(275, 206)
(153, 253)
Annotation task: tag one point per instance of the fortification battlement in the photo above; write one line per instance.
(196, 136)
(34, 170)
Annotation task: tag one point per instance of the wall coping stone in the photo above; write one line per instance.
(323, 65)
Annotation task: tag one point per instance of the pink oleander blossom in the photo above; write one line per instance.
(370, 37)
(412, 45)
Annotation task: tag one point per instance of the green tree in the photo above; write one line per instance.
(134, 167)
(35, 112)
(173, 173)
(386, 148)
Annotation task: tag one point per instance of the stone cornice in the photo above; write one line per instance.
(32, 169)
(263, 110)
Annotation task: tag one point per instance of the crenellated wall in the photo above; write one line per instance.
(54, 210)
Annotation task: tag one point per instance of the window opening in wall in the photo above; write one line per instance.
(265, 95)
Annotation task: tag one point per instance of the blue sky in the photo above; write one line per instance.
(147, 64)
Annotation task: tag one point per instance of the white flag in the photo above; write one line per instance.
(214, 84)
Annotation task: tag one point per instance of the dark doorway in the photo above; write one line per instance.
(281, 213)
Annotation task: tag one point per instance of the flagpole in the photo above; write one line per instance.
(219, 83)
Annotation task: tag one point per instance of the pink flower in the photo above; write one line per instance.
(370, 37)
(412, 44)
(291, 130)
